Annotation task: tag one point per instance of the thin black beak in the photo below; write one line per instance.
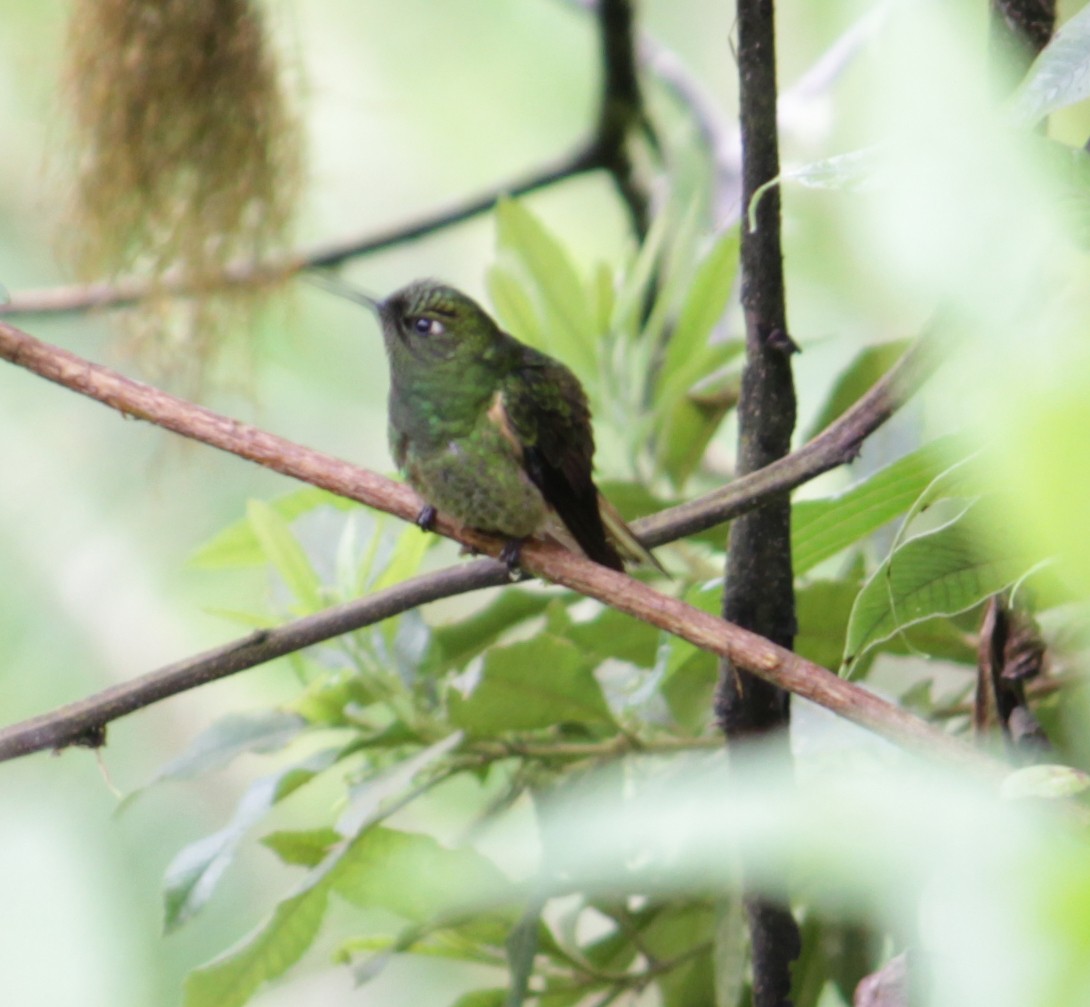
(335, 285)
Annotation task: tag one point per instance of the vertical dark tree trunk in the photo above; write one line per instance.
(759, 590)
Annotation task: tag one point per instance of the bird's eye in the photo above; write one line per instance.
(425, 326)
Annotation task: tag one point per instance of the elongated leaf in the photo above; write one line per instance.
(1060, 76)
(521, 950)
(822, 528)
(514, 307)
(570, 316)
(238, 545)
(691, 422)
(268, 953)
(284, 552)
(538, 683)
(684, 361)
(941, 572)
(229, 737)
(193, 875)
(856, 380)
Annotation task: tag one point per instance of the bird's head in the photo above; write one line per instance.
(428, 320)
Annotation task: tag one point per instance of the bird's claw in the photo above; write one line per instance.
(510, 555)
(425, 520)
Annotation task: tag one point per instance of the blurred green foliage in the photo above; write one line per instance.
(523, 787)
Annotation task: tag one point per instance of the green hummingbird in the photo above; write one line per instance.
(491, 431)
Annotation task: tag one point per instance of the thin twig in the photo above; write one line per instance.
(545, 560)
(125, 292)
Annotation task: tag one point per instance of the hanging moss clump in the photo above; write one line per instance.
(188, 155)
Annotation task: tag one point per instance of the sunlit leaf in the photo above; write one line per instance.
(570, 327)
(1052, 782)
(514, 307)
(444, 879)
(1060, 75)
(286, 555)
(684, 360)
(238, 544)
(302, 849)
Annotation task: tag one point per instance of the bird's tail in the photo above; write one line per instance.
(623, 538)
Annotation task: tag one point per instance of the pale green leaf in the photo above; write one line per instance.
(514, 307)
(238, 545)
(283, 551)
(305, 848)
(445, 880)
(1060, 75)
(684, 361)
(194, 873)
(570, 316)
(1052, 782)
(228, 737)
(822, 528)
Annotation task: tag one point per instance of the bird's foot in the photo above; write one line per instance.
(425, 520)
(510, 555)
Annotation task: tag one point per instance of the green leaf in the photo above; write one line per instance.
(231, 736)
(685, 360)
(268, 953)
(286, 555)
(688, 673)
(415, 877)
(941, 572)
(238, 545)
(854, 170)
(822, 528)
(1060, 75)
(823, 609)
(677, 931)
(457, 643)
(304, 848)
(514, 307)
(195, 872)
(1050, 782)
(856, 380)
(569, 314)
(482, 998)
(534, 684)
(692, 421)
(521, 949)
(613, 634)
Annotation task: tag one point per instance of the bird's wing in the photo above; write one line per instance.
(547, 410)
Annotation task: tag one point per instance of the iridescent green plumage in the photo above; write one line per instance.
(491, 431)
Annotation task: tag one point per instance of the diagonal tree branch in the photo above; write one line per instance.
(550, 562)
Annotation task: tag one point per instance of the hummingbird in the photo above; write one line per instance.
(490, 431)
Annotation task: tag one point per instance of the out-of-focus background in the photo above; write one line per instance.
(408, 106)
